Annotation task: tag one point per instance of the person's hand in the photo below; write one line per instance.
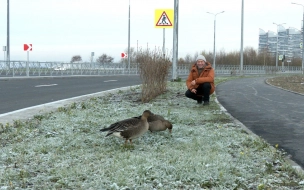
(193, 91)
(193, 82)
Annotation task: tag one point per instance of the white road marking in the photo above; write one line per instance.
(109, 80)
(45, 85)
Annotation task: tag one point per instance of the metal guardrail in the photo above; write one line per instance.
(23, 68)
(247, 69)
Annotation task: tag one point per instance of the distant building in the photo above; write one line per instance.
(289, 41)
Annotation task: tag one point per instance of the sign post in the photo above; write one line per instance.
(282, 58)
(124, 55)
(4, 50)
(288, 61)
(28, 48)
(92, 57)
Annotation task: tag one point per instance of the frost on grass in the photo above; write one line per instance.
(206, 150)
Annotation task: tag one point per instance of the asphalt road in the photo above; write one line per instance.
(17, 94)
(274, 114)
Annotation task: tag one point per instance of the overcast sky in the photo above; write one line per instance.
(59, 29)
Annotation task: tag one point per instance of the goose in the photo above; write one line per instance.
(130, 128)
(158, 123)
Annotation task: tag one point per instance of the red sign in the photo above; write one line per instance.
(124, 55)
(27, 47)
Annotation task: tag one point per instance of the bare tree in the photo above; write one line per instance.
(105, 59)
(189, 60)
(263, 57)
(181, 61)
(232, 58)
(250, 56)
(76, 58)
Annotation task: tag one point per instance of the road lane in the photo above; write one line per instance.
(17, 94)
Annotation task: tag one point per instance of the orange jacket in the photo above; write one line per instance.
(207, 75)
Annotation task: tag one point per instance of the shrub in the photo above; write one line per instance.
(154, 69)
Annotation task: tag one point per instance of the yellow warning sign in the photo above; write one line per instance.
(164, 18)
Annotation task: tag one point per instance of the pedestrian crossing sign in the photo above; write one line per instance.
(164, 18)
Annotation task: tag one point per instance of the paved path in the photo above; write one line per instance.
(274, 114)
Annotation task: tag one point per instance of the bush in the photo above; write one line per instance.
(154, 69)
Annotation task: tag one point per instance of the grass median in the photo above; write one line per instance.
(207, 149)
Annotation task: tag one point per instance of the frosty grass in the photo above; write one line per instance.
(207, 150)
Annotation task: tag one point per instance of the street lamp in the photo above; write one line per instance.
(8, 35)
(277, 56)
(214, 37)
(129, 54)
(302, 38)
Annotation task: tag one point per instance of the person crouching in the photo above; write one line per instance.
(200, 82)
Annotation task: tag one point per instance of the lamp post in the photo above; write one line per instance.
(214, 37)
(277, 53)
(302, 37)
(129, 55)
(8, 35)
(175, 41)
(242, 41)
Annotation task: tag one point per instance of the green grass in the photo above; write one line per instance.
(207, 150)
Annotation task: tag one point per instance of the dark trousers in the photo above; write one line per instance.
(203, 92)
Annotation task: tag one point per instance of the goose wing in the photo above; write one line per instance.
(120, 126)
